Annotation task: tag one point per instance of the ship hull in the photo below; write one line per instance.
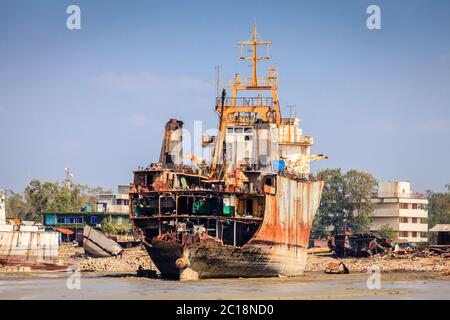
(279, 247)
(97, 245)
(34, 250)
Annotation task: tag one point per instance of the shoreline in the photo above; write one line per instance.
(133, 258)
(311, 286)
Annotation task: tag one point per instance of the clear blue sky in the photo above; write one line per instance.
(96, 99)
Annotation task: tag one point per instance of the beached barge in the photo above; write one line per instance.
(27, 245)
(248, 209)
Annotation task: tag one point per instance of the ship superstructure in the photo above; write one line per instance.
(247, 212)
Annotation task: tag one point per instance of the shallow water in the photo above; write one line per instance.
(311, 286)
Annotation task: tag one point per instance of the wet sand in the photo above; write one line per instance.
(311, 286)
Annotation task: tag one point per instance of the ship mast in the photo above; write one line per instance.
(253, 41)
(267, 109)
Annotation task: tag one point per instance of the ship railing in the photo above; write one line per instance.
(245, 102)
(247, 82)
(303, 140)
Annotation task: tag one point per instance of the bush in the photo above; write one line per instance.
(387, 232)
(422, 245)
(108, 229)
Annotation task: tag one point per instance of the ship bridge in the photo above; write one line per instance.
(243, 110)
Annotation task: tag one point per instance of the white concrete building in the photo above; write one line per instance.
(402, 210)
(291, 138)
(114, 202)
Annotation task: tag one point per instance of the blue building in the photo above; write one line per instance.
(71, 224)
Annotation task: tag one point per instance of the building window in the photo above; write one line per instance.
(414, 206)
(94, 220)
(230, 130)
(414, 220)
(403, 220)
(248, 130)
(78, 220)
(414, 234)
(238, 130)
(403, 234)
(403, 206)
(122, 202)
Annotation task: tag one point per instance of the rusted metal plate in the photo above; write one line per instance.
(287, 223)
(289, 214)
(53, 264)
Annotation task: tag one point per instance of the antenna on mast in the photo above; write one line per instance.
(68, 180)
(254, 41)
(218, 80)
(290, 110)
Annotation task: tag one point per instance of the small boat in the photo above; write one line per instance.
(97, 245)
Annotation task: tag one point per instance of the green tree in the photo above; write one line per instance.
(345, 203)
(359, 223)
(60, 200)
(16, 206)
(122, 229)
(37, 197)
(387, 232)
(359, 187)
(48, 196)
(318, 228)
(83, 194)
(108, 228)
(438, 208)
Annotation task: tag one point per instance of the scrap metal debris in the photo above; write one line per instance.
(337, 268)
(359, 245)
(97, 245)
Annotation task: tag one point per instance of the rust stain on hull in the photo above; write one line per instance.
(35, 264)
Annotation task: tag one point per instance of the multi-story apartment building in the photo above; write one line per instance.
(401, 209)
(114, 202)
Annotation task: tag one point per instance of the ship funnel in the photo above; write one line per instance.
(172, 145)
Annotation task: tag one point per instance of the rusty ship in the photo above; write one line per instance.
(247, 210)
